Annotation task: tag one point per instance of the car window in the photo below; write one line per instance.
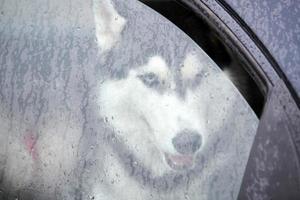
(106, 99)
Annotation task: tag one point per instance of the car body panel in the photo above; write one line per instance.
(277, 25)
(273, 168)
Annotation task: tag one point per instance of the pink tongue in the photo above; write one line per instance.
(182, 160)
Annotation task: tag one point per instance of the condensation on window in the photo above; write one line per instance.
(106, 99)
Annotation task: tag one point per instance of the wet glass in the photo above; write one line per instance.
(106, 99)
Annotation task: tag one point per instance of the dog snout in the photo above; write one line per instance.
(187, 142)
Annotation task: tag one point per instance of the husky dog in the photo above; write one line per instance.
(165, 125)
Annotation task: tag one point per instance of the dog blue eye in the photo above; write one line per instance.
(150, 79)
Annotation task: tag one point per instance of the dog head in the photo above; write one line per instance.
(156, 111)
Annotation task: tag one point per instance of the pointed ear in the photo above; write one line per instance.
(191, 67)
(108, 23)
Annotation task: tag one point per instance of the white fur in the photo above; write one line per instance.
(191, 67)
(109, 24)
(155, 65)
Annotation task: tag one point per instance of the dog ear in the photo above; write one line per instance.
(108, 23)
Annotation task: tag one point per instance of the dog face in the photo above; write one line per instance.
(157, 114)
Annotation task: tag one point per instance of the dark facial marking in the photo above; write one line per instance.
(150, 79)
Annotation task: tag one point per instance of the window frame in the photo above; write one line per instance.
(280, 102)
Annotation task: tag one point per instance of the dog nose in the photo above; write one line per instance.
(187, 142)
